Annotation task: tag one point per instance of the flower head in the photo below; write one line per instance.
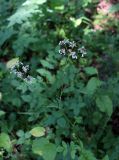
(21, 71)
(71, 48)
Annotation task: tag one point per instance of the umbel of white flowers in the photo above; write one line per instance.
(21, 71)
(71, 48)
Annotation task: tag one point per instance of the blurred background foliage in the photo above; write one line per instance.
(76, 102)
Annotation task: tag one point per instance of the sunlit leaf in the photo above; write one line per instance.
(12, 62)
(2, 113)
(76, 22)
(31, 2)
(5, 142)
(25, 11)
(0, 96)
(38, 131)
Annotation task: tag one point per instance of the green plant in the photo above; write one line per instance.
(70, 109)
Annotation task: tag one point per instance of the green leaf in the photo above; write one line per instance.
(0, 96)
(27, 98)
(26, 11)
(91, 70)
(21, 15)
(38, 131)
(27, 135)
(87, 155)
(46, 64)
(22, 42)
(5, 35)
(73, 149)
(44, 148)
(61, 122)
(58, 3)
(12, 62)
(92, 85)
(96, 117)
(21, 140)
(106, 158)
(76, 22)
(31, 2)
(45, 73)
(60, 149)
(20, 133)
(65, 148)
(114, 8)
(104, 103)
(2, 113)
(23, 87)
(5, 142)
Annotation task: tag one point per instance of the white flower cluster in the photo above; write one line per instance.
(71, 48)
(82, 50)
(66, 41)
(21, 72)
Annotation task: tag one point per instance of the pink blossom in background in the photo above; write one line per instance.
(103, 6)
